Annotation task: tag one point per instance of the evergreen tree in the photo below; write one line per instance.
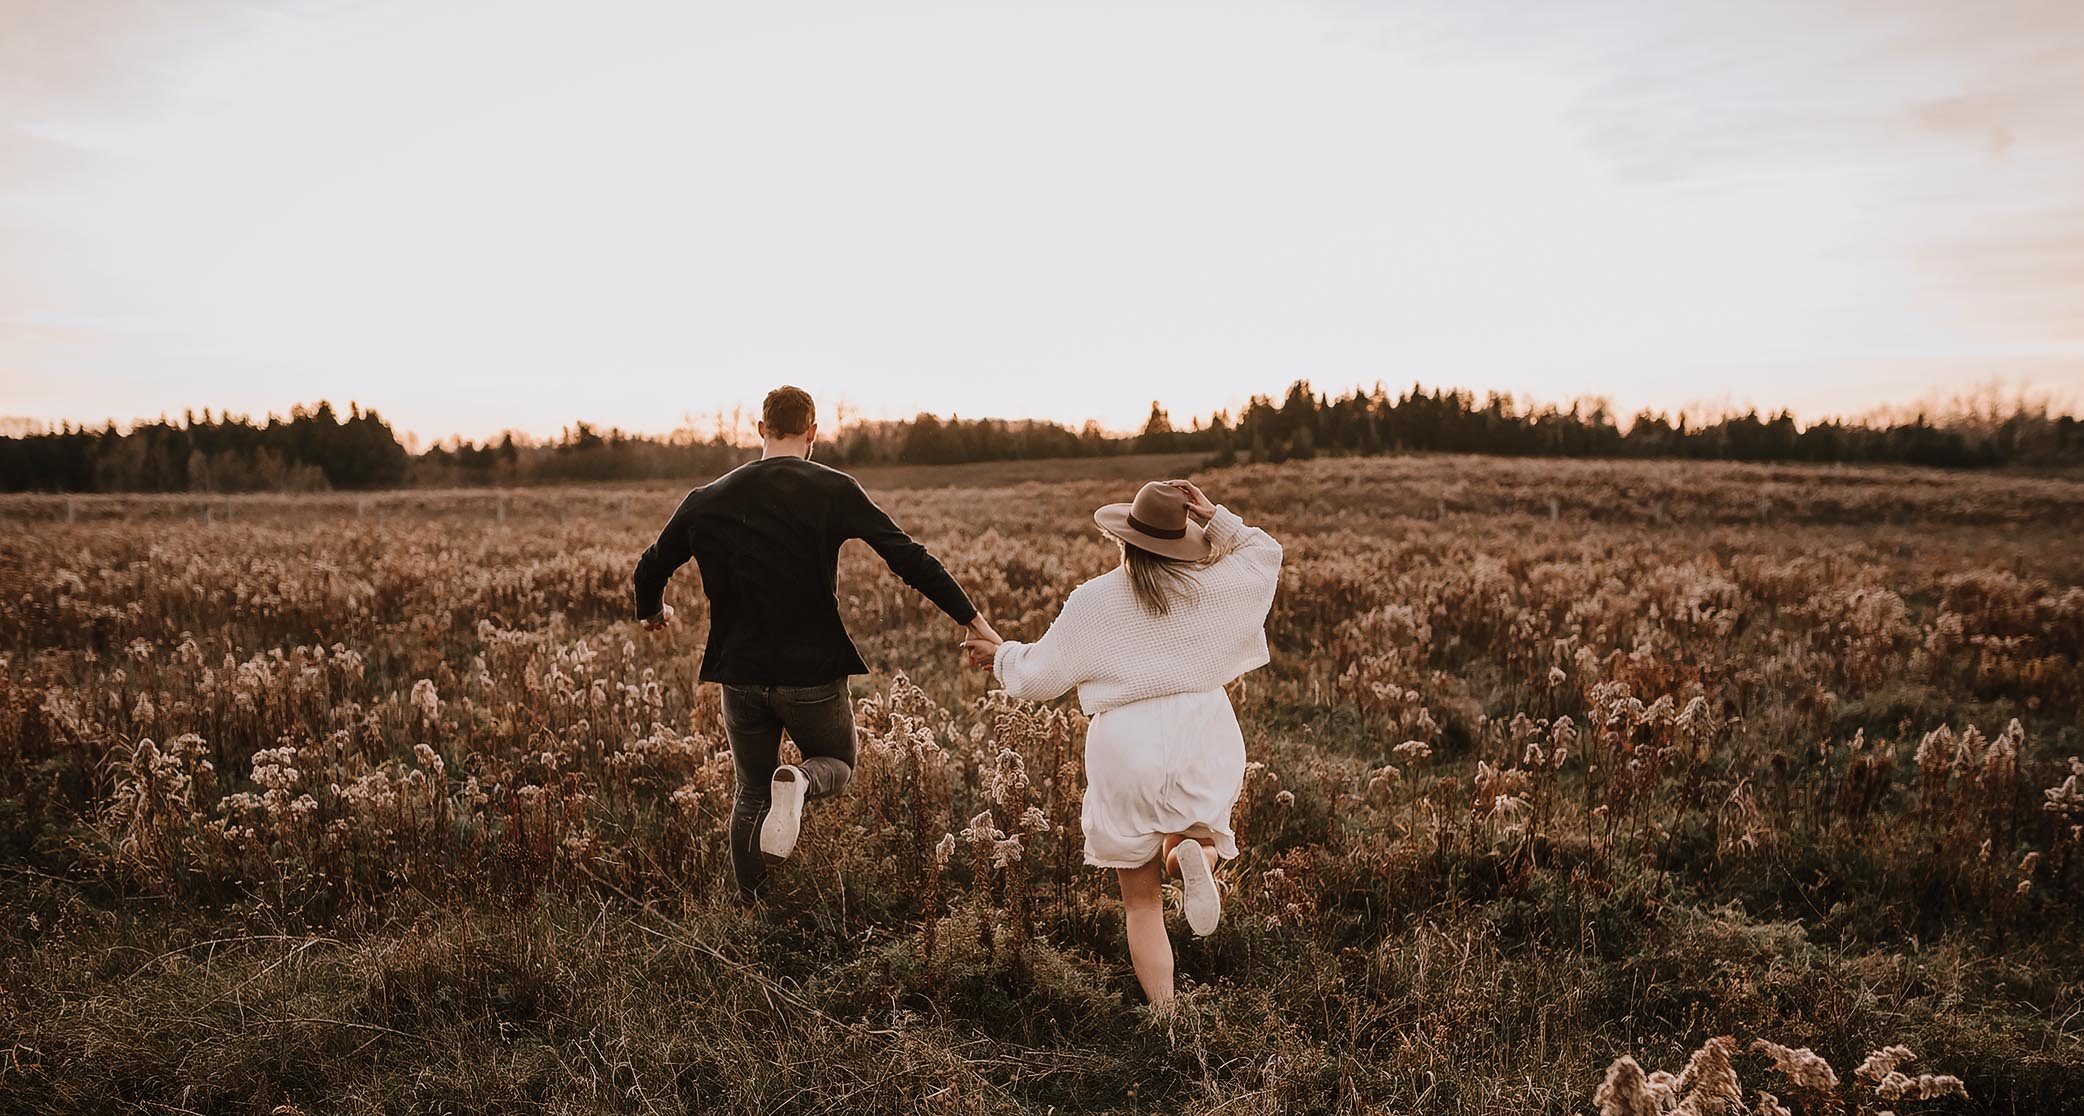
(1157, 436)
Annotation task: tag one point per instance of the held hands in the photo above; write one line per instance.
(1198, 504)
(982, 644)
(658, 623)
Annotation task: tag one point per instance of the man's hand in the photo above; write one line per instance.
(1198, 505)
(982, 646)
(658, 623)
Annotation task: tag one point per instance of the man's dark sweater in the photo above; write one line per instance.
(766, 537)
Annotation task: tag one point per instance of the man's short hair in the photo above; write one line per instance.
(788, 412)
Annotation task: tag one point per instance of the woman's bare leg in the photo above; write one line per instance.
(1143, 901)
(1202, 834)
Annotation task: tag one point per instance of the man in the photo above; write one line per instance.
(766, 537)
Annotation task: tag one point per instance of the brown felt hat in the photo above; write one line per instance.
(1156, 521)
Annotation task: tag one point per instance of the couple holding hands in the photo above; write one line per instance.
(1149, 646)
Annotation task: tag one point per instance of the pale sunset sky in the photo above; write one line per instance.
(481, 216)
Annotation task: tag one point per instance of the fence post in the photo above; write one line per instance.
(69, 509)
(501, 512)
(1555, 510)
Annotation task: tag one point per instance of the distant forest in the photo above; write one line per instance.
(315, 448)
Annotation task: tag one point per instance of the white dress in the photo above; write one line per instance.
(1163, 752)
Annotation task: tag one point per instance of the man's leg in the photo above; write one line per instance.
(755, 734)
(820, 720)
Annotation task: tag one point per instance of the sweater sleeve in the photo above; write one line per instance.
(1249, 547)
(862, 519)
(675, 545)
(1051, 665)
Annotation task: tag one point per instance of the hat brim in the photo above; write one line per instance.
(1190, 547)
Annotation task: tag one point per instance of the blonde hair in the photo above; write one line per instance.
(1158, 582)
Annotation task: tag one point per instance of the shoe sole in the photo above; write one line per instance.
(1203, 904)
(784, 814)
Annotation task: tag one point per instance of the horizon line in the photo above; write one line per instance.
(1970, 402)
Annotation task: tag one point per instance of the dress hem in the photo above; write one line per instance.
(1222, 853)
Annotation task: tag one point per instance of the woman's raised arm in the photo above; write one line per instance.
(1238, 541)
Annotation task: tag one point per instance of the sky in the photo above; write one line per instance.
(511, 215)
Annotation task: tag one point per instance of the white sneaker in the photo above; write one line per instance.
(1204, 905)
(784, 812)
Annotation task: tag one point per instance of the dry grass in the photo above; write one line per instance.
(1556, 762)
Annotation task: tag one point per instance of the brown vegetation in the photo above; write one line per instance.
(380, 804)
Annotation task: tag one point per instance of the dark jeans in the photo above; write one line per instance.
(820, 719)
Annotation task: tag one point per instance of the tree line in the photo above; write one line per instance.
(1305, 424)
(311, 449)
(314, 448)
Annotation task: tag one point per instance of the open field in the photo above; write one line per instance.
(379, 804)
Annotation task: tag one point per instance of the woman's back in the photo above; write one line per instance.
(1116, 651)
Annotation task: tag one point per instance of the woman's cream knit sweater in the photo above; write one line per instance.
(1105, 644)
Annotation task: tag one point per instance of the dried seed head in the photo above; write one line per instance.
(1938, 751)
(1803, 1067)
(425, 700)
(1710, 1080)
(1625, 1092)
(1898, 1086)
(1009, 778)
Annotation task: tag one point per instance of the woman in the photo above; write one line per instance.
(1150, 646)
